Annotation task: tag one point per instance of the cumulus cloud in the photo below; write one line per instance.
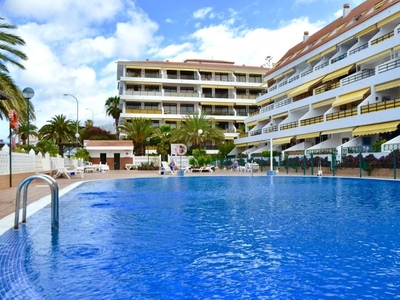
(73, 45)
(201, 13)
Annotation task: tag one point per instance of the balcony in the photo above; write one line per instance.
(389, 66)
(255, 132)
(181, 94)
(289, 125)
(246, 97)
(358, 76)
(284, 102)
(382, 38)
(340, 57)
(358, 49)
(326, 88)
(294, 78)
(143, 93)
(311, 121)
(342, 114)
(322, 65)
(270, 129)
(306, 73)
(384, 105)
(143, 111)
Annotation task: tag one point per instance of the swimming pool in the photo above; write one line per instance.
(210, 237)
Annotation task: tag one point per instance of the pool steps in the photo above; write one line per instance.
(54, 199)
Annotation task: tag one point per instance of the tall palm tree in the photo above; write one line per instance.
(113, 110)
(9, 54)
(137, 130)
(23, 130)
(198, 129)
(60, 131)
(163, 137)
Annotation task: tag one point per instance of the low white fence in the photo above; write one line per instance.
(31, 162)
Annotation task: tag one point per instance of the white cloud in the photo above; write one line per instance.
(201, 13)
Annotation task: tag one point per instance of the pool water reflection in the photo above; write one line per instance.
(203, 237)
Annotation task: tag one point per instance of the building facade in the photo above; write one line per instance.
(165, 92)
(336, 91)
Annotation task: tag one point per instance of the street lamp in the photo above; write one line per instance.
(92, 114)
(77, 111)
(28, 95)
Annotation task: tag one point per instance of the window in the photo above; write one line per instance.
(221, 76)
(223, 125)
(134, 87)
(206, 75)
(151, 88)
(221, 110)
(186, 89)
(221, 93)
(172, 74)
(151, 105)
(240, 77)
(170, 109)
(155, 123)
(187, 75)
(207, 109)
(187, 109)
(171, 124)
(152, 73)
(170, 89)
(133, 105)
(240, 110)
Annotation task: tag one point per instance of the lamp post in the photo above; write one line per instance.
(77, 114)
(28, 95)
(92, 114)
(200, 132)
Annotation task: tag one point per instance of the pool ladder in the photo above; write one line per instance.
(54, 199)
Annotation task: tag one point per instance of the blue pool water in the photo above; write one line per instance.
(211, 238)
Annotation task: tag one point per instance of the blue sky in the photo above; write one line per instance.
(73, 45)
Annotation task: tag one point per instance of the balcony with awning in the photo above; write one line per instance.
(376, 128)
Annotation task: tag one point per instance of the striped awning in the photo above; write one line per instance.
(338, 130)
(373, 57)
(284, 114)
(283, 140)
(350, 97)
(324, 102)
(337, 73)
(329, 50)
(366, 30)
(265, 101)
(387, 85)
(217, 103)
(303, 88)
(216, 71)
(308, 135)
(376, 128)
(389, 19)
(277, 96)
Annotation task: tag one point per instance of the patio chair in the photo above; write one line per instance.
(167, 169)
(103, 167)
(63, 171)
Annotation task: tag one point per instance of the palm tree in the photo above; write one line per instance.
(60, 131)
(163, 136)
(23, 130)
(137, 130)
(198, 129)
(9, 55)
(113, 110)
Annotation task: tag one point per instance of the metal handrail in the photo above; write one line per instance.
(54, 199)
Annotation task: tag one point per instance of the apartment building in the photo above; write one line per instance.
(165, 91)
(337, 90)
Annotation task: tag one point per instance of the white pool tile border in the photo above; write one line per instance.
(8, 222)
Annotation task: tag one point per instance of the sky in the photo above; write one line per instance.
(73, 45)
